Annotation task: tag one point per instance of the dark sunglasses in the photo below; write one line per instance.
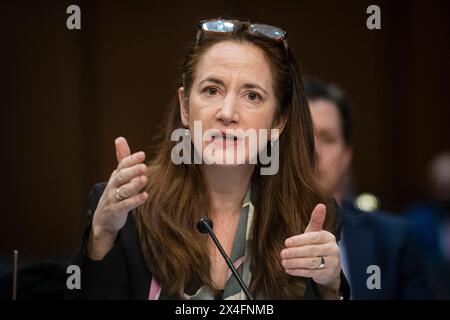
(220, 26)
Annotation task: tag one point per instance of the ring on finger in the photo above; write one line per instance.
(322, 263)
(118, 196)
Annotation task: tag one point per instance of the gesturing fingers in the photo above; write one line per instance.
(131, 202)
(302, 263)
(123, 176)
(313, 254)
(134, 186)
(122, 149)
(313, 250)
(317, 218)
(131, 160)
(316, 237)
(307, 273)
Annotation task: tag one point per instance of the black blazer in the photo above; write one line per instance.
(122, 273)
(386, 241)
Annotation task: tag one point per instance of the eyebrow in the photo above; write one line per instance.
(220, 82)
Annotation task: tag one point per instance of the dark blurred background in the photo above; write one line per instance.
(67, 94)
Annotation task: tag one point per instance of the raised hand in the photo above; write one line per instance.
(122, 194)
(314, 254)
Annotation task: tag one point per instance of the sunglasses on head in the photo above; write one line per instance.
(220, 26)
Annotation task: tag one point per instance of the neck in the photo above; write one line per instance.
(227, 187)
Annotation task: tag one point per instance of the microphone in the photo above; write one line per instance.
(205, 225)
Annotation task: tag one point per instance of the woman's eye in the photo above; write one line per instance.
(212, 91)
(254, 97)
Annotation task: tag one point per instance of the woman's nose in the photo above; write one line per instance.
(228, 111)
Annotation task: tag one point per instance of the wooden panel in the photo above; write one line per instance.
(67, 94)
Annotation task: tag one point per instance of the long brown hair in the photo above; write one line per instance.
(174, 250)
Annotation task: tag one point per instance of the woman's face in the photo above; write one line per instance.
(232, 90)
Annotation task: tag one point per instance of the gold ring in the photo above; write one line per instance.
(118, 196)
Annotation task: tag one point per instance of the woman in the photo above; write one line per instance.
(277, 228)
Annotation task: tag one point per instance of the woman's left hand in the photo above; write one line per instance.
(314, 254)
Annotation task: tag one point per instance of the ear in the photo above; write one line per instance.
(279, 124)
(184, 114)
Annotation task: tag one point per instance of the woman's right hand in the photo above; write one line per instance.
(121, 195)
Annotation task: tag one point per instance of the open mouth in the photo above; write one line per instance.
(225, 138)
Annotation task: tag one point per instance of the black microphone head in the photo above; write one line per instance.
(205, 225)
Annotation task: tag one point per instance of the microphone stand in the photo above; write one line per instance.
(205, 225)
